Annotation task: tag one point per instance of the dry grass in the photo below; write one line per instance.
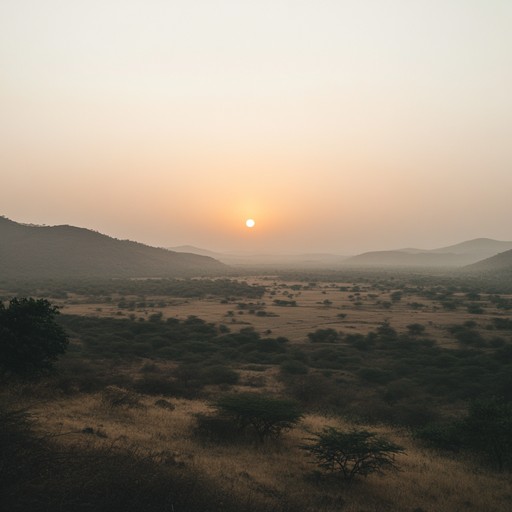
(276, 471)
(310, 314)
(280, 471)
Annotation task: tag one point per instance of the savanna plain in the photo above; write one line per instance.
(145, 409)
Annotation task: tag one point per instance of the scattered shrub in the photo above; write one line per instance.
(114, 396)
(415, 329)
(352, 453)
(324, 336)
(294, 367)
(165, 404)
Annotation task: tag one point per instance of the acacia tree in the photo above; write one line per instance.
(352, 453)
(30, 338)
(267, 416)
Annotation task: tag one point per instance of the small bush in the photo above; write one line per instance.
(475, 309)
(114, 396)
(415, 329)
(165, 404)
(324, 336)
(294, 367)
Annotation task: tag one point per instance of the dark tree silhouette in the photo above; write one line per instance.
(265, 415)
(357, 452)
(30, 338)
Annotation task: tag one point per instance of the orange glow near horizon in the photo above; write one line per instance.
(338, 126)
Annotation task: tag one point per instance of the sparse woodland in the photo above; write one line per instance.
(372, 395)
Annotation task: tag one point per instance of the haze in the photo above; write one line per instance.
(338, 126)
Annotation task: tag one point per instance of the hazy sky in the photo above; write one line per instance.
(338, 125)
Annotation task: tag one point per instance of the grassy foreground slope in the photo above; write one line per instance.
(147, 456)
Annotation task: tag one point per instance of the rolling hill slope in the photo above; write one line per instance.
(496, 264)
(28, 251)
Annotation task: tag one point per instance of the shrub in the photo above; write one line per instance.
(444, 436)
(467, 334)
(114, 396)
(357, 452)
(416, 329)
(475, 309)
(315, 390)
(294, 367)
(385, 332)
(220, 375)
(487, 429)
(285, 303)
(324, 336)
(396, 296)
(266, 416)
(165, 404)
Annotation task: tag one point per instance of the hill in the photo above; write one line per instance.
(478, 246)
(28, 251)
(407, 259)
(500, 263)
(458, 255)
(315, 260)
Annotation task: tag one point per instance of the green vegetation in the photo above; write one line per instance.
(436, 376)
(352, 453)
(485, 430)
(398, 378)
(30, 338)
(191, 340)
(324, 336)
(265, 415)
(102, 290)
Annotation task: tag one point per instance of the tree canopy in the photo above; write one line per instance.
(352, 453)
(267, 416)
(30, 338)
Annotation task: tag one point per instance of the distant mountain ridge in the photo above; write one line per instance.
(316, 260)
(30, 251)
(476, 246)
(458, 255)
(453, 256)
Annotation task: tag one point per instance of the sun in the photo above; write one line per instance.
(250, 223)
